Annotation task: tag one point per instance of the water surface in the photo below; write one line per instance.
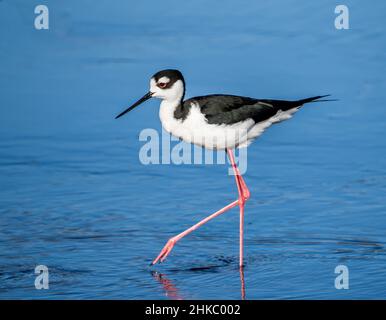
(75, 197)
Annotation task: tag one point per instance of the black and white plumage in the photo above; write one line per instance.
(215, 121)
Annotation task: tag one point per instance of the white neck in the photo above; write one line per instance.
(166, 113)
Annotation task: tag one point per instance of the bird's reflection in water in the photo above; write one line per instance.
(172, 291)
(242, 282)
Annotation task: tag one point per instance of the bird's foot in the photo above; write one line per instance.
(165, 251)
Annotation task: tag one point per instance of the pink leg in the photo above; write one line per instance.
(243, 196)
(172, 241)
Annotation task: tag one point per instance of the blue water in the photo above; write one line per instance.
(75, 197)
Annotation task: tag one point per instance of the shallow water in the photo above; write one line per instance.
(75, 197)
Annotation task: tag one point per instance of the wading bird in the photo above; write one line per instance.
(218, 121)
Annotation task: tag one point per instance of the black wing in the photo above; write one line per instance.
(229, 109)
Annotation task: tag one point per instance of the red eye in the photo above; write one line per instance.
(162, 84)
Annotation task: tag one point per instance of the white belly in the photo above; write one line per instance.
(195, 128)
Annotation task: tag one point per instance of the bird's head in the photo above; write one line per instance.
(167, 85)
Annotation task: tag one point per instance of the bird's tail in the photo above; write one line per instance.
(314, 99)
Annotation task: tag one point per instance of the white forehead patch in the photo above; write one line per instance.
(164, 80)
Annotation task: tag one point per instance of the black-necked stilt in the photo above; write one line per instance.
(217, 121)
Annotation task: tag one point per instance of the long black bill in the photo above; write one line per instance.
(147, 96)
